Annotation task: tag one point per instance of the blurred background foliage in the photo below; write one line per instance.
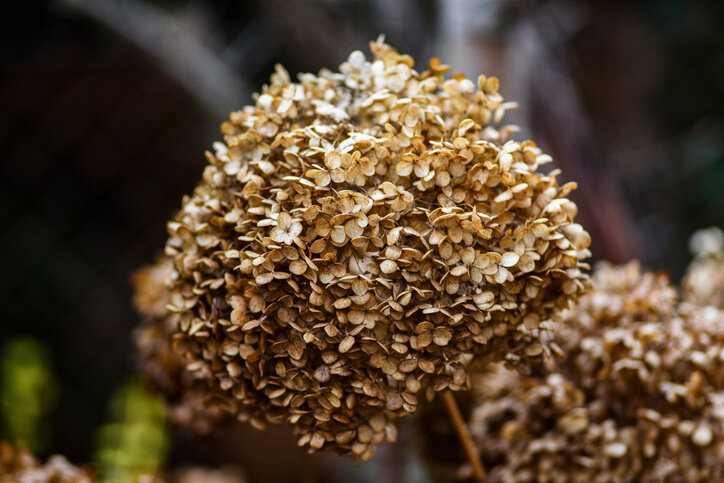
(28, 393)
(134, 442)
(106, 107)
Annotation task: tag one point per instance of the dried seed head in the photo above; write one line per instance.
(358, 237)
(16, 464)
(635, 396)
(703, 283)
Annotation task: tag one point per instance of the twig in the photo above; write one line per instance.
(463, 435)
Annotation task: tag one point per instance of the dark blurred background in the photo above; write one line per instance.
(106, 108)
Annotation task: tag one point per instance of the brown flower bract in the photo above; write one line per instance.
(357, 240)
(638, 394)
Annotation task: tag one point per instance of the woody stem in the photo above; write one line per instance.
(463, 433)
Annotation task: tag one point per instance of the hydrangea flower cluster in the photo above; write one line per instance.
(354, 243)
(19, 465)
(637, 395)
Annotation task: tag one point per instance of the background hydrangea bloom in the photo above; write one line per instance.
(637, 394)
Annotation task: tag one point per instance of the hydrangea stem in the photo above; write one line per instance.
(463, 433)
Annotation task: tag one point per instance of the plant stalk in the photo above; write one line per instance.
(463, 433)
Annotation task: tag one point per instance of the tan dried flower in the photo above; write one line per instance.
(286, 230)
(637, 395)
(18, 465)
(703, 283)
(357, 240)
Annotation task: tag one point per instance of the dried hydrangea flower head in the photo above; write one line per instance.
(357, 239)
(17, 465)
(703, 283)
(638, 394)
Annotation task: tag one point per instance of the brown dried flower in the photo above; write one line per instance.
(357, 240)
(18, 465)
(703, 283)
(637, 395)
